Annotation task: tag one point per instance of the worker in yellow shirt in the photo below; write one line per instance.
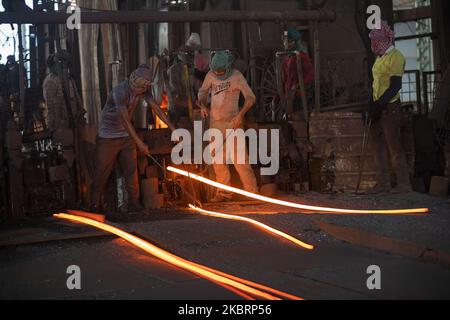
(384, 111)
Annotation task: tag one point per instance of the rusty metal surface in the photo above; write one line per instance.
(337, 140)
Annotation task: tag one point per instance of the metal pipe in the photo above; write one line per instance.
(353, 105)
(418, 92)
(144, 16)
(21, 79)
(417, 36)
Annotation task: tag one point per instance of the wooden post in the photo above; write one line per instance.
(188, 87)
(316, 66)
(280, 86)
(302, 87)
(15, 191)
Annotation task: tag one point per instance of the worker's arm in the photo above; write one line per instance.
(375, 108)
(131, 131)
(250, 100)
(394, 88)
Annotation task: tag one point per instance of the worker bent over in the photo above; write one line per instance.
(225, 85)
(385, 111)
(117, 138)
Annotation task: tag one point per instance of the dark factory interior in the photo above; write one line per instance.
(224, 150)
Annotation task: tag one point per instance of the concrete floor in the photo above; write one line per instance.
(113, 269)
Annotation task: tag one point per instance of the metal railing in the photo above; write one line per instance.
(431, 81)
(411, 89)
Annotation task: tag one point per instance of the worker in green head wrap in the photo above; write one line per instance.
(221, 65)
(291, 86)
(294, 42)
(225, 85)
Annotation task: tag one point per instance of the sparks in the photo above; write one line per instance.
(248, 288)
(315, 209)
(254, 222)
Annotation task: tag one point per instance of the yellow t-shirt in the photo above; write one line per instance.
(389, 65)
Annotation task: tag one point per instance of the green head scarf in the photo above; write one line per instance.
(222, 60)
(294, 34)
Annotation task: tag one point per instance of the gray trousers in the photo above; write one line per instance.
(244, 170)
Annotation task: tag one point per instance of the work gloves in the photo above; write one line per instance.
(373, 111)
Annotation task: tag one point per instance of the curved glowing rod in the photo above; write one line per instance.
(255, 285)
(257, 223)
(207, 273)
(288, 203)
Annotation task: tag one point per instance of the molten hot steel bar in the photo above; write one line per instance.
(315, 209)
(258, 224)
(244, 287)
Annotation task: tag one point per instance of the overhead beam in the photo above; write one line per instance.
(413, 14)
(143, 16)
(417, 36)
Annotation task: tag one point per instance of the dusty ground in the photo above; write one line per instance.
(113, 269)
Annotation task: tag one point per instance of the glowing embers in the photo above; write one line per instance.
(254, 222)
(244, 288)
(314, 209)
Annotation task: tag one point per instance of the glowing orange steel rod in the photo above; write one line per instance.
(248, 287)
(257, 223)
(288, 203)
(255, 285)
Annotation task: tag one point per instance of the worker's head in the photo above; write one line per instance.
(221, 64)
(194, 43)
(141, 80)
(294, 38)
(59, 62)
(10, 60)
(381, 39)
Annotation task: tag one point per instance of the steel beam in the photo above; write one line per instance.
(159, 16)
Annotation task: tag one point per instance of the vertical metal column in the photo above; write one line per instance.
(316, 66)
(21, 80)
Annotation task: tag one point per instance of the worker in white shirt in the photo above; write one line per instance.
(225, 85)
